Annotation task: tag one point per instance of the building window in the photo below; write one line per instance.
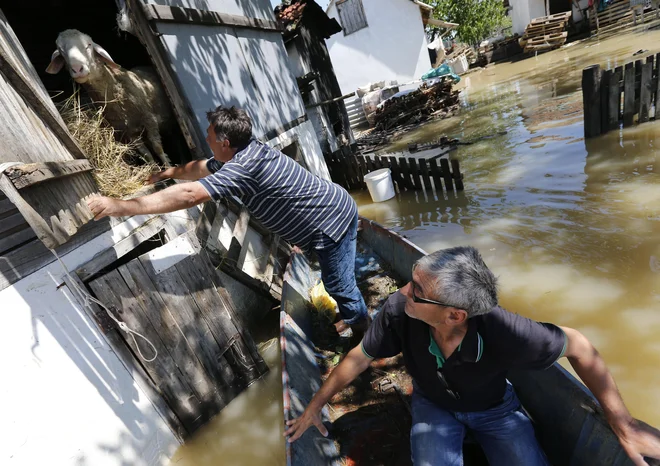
(351, 15)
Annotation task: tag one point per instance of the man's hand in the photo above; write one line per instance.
(106, 207)
(640, 440)
(351, 366)
(309, 417)
(155, 178)
(636, 438)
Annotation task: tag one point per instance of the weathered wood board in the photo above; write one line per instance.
(205, 358)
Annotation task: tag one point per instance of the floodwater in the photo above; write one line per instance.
(249, 430)
(570, 227)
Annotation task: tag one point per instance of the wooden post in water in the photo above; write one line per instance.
(657, 87)
(456, 175)
(412, 163)
(446, 174)
(605, 84)
(614, 99)
(435, 171)
(628, 95)
(591, 100)
(645, 92)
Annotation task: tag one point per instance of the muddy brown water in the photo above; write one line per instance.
(571, 230)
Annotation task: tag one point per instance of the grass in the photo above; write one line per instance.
(115, 176)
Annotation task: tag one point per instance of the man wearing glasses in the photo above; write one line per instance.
(458, 345)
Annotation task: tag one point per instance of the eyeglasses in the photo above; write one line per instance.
(417, 299)
(445, 385)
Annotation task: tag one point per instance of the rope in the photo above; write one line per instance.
(86, 298)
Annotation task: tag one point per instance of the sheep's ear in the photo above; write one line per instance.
(105, 56)
(56, 63)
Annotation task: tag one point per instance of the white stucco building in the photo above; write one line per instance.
(381, 40)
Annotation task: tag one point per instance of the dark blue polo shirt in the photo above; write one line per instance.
(476, 371)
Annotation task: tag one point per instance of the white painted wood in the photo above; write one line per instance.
(250, 8)
(170, 254)
(68, 399)
(392, 47)
(309, 144)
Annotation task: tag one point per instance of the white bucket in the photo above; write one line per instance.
(379, 183)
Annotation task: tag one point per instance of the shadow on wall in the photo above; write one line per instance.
(63, 365)
(220, 65)
(249, 8)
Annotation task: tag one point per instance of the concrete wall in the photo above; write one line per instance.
(523, 12)
(65, 397)
(392, 47)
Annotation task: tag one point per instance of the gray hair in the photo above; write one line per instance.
(461, 278)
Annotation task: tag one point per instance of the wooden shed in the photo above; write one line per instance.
(192, 282)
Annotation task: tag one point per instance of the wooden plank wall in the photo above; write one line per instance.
(622, 96)
(205, 357)
(438, 175)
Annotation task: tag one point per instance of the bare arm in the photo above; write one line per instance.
(177, 197)
(353, 365)
(192, 171)
(636, 438)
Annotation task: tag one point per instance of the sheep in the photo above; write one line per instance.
(134, 101)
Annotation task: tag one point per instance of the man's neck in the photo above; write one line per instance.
(446, 335)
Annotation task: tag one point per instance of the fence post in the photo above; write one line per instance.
(605, 86)
(645, 92)
(614, 99)
(591, 101)
(628, 95)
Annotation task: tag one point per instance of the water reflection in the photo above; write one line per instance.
(569, 225)
(249, 430)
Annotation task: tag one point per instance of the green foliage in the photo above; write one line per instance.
(477, 19)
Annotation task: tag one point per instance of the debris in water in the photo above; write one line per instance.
(398, 115)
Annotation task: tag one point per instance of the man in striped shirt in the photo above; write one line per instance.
(302, 208)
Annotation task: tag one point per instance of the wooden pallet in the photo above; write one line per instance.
(552, 27)
(565, 16)
(545, 33)
(618, 15)
(549, 38)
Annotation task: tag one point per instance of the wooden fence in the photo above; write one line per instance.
(427, 175)
(621, 96)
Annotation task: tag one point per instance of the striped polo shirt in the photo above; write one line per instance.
(285, 197)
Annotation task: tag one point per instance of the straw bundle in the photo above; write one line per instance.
(114, 175)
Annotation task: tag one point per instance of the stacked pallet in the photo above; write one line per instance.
(545, 33)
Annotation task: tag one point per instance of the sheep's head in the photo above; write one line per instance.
(81, 55)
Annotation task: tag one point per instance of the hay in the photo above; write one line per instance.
(114, 175)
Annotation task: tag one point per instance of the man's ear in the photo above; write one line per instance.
(457, 316)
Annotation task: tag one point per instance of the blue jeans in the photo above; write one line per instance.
(504, 432)
(338, 275)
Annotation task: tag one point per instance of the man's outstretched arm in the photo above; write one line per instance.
(637, 439)
(353, 365)
(192, 171)
(177, 197)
